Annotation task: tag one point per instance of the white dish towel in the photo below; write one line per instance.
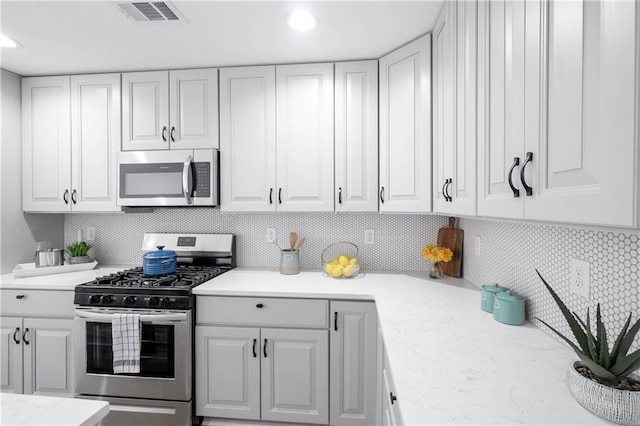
(125, 333)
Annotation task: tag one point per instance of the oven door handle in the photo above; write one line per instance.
(178, 316)
(187, 179)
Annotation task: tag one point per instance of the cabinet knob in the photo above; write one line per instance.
(259, 305)
(392, 397)
(20, 296)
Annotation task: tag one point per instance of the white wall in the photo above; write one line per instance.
(18, 231)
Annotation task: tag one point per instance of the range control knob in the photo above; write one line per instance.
(106, 299)
(94, 299)
(154, 301)
(164, 302)
(130, 300)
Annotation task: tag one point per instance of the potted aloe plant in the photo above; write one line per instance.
(78, 252)
(601, 380)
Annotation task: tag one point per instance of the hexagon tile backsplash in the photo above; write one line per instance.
(510, 251)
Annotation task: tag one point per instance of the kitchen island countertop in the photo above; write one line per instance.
(452, 363)
(49, 410)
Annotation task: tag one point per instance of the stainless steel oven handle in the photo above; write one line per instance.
(185, 179)
(178, 316)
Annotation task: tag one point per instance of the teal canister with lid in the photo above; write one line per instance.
(508, 308)
(488, 293)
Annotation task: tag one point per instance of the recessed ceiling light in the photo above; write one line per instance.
(301, 20)
(8, 42)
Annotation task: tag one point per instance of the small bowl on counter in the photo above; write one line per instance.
(340, 260)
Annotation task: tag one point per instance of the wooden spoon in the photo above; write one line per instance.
(299, 243)
(293, 238)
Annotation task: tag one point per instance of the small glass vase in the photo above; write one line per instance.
(436, 271)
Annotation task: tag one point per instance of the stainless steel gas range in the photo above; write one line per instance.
(161, 392)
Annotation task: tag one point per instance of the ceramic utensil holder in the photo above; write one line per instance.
(289, 262)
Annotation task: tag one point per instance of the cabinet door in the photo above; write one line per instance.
(353, 363)
(295, 376)
(48, 356)
(95, 141)
(304, 134)
(585, 169)
(390, 408)
(356, 136)
(145, 110)
(248, 139)
(11, 355)
(501, 113)
(193, 109)
(444, 112)
(46, 145)
(405, 128)
(228, 372)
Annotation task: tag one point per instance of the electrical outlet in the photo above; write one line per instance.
(271, 235)
(478, 245)
(90, 234)
(369, 236)
(580, 277)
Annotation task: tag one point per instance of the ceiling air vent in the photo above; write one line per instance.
(150, 12)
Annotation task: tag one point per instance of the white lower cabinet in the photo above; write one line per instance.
(36, 354)
(261, 373)
(353, 363)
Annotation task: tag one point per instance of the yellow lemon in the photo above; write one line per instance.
(344, 260)
(328, 267)
(335, 261)
(349, 271)
(336, 271)
(354, 261)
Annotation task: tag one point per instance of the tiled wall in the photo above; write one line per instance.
(509, 252)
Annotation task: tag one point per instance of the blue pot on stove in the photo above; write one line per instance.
(159, 262)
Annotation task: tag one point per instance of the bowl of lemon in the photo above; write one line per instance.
(340, 260)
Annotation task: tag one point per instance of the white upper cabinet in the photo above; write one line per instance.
(405, 128)
(455, 100)
(356, 136)
(71, 134)
(95, 141)
(558, 111)
(584, 166)
(46, 144)
(304, 134)
(248, 138)
(170, 110)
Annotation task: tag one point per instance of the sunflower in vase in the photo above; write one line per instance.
(436, 254)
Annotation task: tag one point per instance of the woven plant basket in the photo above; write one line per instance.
(614, 405)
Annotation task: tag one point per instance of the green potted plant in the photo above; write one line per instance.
(601, 380)
(78, 252)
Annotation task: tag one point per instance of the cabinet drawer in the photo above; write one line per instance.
(262, 311)
(34, 303)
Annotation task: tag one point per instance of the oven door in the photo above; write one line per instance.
(165, 355)
(168, 178)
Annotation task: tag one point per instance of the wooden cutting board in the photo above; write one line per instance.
(452, 238)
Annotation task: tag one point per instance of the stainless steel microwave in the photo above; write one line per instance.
(168, 178)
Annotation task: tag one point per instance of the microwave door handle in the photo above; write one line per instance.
(143, 318)
(186, 179)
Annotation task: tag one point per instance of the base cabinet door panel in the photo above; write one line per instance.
(353, 363)
(295, 376)
(228, 372)
(11, 355)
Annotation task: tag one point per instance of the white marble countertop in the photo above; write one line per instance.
(48, 410)
(452, 363)
(66, 281)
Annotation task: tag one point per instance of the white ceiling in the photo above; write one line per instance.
(72, 37)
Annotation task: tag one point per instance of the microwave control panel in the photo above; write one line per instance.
(202, 178)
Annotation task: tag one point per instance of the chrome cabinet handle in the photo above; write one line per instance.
(15, 336)
(65, 196)
(255, 355)
(172, 133)
(516, 191)
(382, 195)
(24, 336)
(73, 197)
(264, 348)
(186, 169)
(339, 195)
(164, 133)
(527, 189)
